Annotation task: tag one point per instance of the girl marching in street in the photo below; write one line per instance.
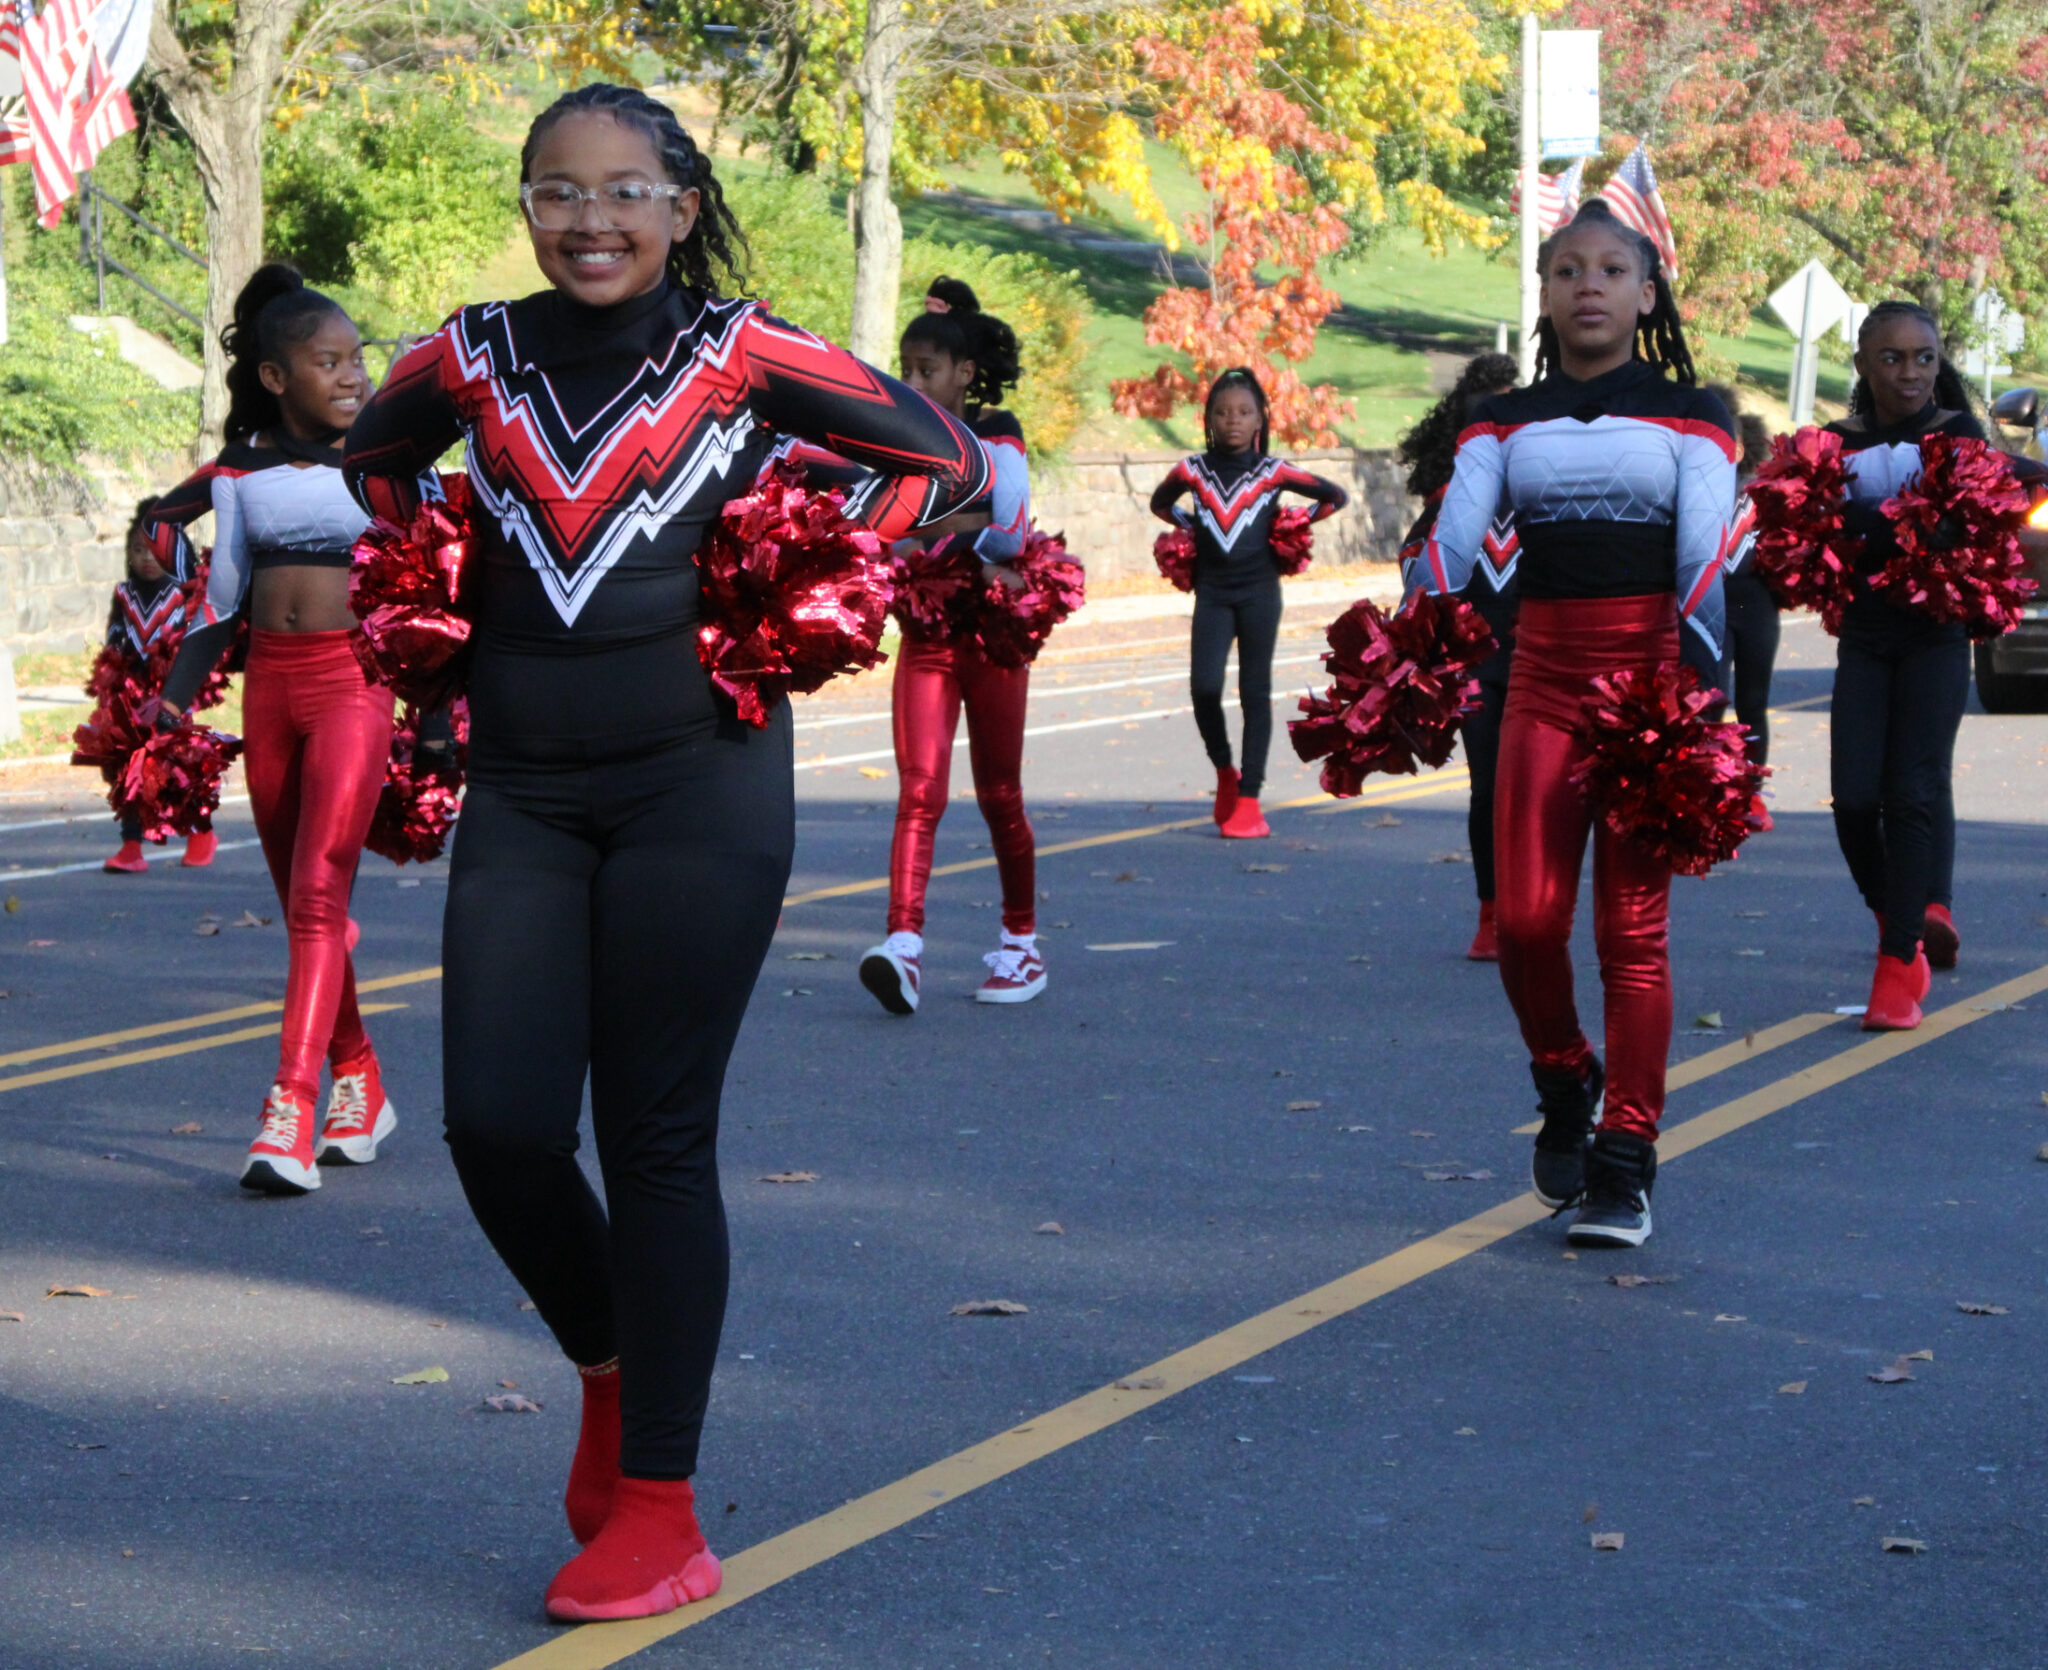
(1431, 449)
(627, 836)
(1902, 678)
(1621, 477)
(1236, 485)
(317, 736)
(964, 360)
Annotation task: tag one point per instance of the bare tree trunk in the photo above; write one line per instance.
(877, 228)
(223, 110)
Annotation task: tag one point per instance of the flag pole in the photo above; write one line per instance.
(1525, 348)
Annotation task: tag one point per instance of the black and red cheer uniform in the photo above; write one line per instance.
(626, 838)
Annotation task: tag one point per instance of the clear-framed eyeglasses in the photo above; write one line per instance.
(622, 205)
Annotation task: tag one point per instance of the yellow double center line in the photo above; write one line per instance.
(1442, 782)
(761, 1567)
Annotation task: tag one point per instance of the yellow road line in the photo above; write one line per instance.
(766, 1564)
(1728, 1055)
(20, 1058)
(1437, 782)
(164, 1052)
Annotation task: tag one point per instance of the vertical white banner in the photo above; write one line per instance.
(1570, 81)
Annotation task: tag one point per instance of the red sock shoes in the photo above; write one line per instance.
(1226, 793)
(1939, 937)
(1486, 942)
(1245, 822)
(650, 1558)
(594, 1474)
(1895, 994)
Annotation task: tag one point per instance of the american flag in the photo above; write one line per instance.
(13, 15)
(1557, 197)
(14, 140)
(74, 106)
(1636, 201)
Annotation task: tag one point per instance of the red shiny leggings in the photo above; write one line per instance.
(933, 682)
(1540, 826)
(317, 741)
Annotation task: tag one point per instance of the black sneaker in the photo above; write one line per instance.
(1569, 1103)
(1620, 1172)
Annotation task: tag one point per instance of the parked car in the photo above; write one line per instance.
(2012, 671)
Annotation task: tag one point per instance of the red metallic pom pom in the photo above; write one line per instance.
(421, 795)
(1663, 774)
(1958, 531)
(1802, 553)
(794, 594)
(1399, 686)
(406, 587)
(1291, 541)
(124, 708)
(935, 585)
(1009, 624)
(1174, 552)
(172, 782)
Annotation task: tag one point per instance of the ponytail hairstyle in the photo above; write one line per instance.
(274, 313)
(958, 328)
(1237, 377)
(1431, 447)
(716, 248)
(1951, 393)
(1660, 335)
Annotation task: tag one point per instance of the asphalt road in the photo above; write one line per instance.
(1391, 1412)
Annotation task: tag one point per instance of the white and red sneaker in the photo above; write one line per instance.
(281, 1158)
(892, 972)
(351, 1132)
(1016, 972)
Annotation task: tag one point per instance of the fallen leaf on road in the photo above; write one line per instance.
(1049, 1227)
(421, 1377)
(87, 1446)
(1592, 1512)
(1752, 913)
(509, 1385)
(1265, 869)
(1919, 1356)
(2043, 1153)
(1387, 820)
(796, 991)
(1726, 1317)
(41, 944)
(872, 772)
(1641, 1281)
(1903, 1545)
(1711, 1018)
(1303, 1107)
(1864, 1502)
(789, 1177)
(13, 904)
(1466, 1432)
(12, 1316)
(528, 1304)
(1749, 953)
(79, 1292)
(990, 1307)
(511, 1403)
(1450, 858)
(249, 919)
(1970, 1308)
(1358, 959)
(1457, 1176)
(1893, 1375)
(1145, 1383)
(1792, 1388)
(1608, 1542)
(191, 1128)
(1125, 875)
(207, 929)
(808, 957)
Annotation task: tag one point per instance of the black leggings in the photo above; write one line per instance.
(1482, 758)
(1752, 653)
(1900, 688)
(611, 920)
(1253, 619)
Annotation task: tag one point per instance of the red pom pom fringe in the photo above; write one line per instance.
(1663, 774)
(794, 595)
(1009, 624)
(1292, 543)
(406, 587)
(1802, 554)
(417, 806)
(1174, 552)
(172, 782)
(1399, 686)
(1958, 528)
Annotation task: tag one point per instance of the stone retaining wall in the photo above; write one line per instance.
(62, 548)
(1099, 500)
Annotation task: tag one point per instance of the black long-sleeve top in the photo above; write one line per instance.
(601, 443)
(1236, 495)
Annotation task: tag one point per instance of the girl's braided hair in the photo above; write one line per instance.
(1951, 393)
(1237, 377)
(274, 313)
(1660, 335)
(961, 331)
(716, 248)
(1431, 447)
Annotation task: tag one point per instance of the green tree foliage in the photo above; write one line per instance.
(803, 268)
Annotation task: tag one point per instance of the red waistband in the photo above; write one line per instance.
(302, 649)
(1564, 616)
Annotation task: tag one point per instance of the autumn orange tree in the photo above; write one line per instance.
(1237, 137)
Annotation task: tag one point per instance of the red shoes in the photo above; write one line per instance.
(1939, 938)
(1896, 992)
(359, 1115)
(199, 849)
(1760, 815)
(281, 1158)
(1226, 793)
(128, 861)
(594, 1474)
(1486, 942)
(650, 1558)
(1245, 822)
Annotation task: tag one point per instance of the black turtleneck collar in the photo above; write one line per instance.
(1624, 376)
(1228, 466)
(619, 316)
